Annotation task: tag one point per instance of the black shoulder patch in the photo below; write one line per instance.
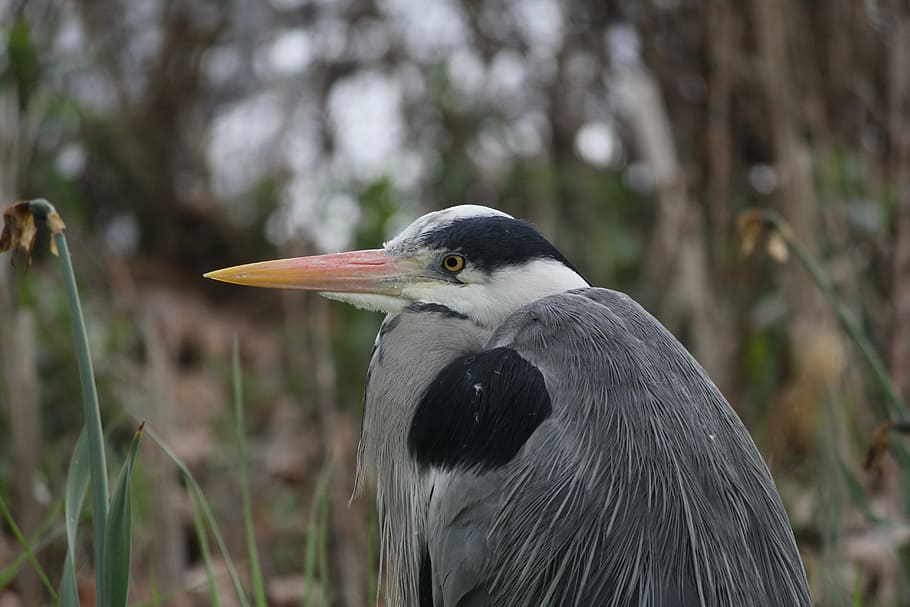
(479, 411)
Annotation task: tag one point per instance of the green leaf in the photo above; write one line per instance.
(77, 479)
(314, 535)
(153, 588)
(207, 516)
(202, 536)
(255, 569)
(24, 67)
(38, 542)
(69, 593)
(26, 547)
(859, 495)
(324, 550)
(858, 587)
(118, 533)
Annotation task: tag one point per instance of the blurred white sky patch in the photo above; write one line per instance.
(288, 54)
(430, 28)
(488, 151)
(623, 45)
(371, 42)
(411, 80)
(71, 48)
(121, 234)
(70, 37)
(281, 128)
(467, 72)
(71, 159)
(506, 76)
(287, 5)
(340, 216)
(524, 134)
(220, 63)
(302, 149)
(143, 19)
(94, 89)
(598, 144)
(323, 217)
(330, 38)
(409, 169)
(365, 110)
(541, 21)
(239, 144)
(763, 178)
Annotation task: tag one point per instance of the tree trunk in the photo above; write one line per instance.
(899, 69)
(678, 246)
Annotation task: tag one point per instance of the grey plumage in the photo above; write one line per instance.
(535, 441)
(410, 350)
(643, 487)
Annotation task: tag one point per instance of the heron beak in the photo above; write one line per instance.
(373, 271)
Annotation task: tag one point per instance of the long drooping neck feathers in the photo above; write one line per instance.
(411, 348)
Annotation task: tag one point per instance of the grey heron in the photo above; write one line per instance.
(535, 440)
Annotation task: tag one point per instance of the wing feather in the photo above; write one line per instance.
(642, 487)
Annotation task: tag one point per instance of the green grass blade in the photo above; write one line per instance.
(17, 533)
(77, 479)
(119, 532)
(203, 539)
(859, 496)
(44, 210)
(69, 593)
(8, 573)
(39, 540)
(153, 588)
(208, 517)
(313, 535)
(858, 587)
(324, 550)
(255, 570)
(893, 405)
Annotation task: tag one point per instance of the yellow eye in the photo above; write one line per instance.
(453, 263)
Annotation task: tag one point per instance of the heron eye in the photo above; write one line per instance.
(453, 263)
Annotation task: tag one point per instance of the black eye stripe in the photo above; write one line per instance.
(492, 242)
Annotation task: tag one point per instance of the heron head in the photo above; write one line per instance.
(475, 260)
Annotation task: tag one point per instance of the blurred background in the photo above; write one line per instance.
(176, 137)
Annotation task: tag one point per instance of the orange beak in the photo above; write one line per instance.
(372, 271)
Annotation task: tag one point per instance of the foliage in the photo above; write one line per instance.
(181, 139)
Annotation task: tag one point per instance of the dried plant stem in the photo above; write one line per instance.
(42, 209)
(894, 406)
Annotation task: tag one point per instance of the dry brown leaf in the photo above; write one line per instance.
(19, 231)
(750, 225)
(878, 445)
(777, 247)
(56, 226)
(55, 223)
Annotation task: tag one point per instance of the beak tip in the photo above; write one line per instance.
(217, 275)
